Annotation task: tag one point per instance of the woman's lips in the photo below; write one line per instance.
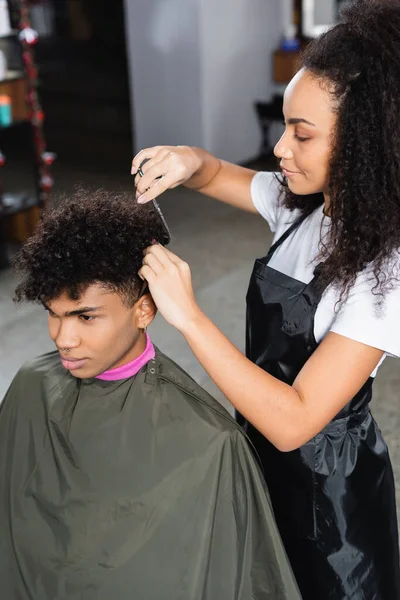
(73, 363)
(289, 174)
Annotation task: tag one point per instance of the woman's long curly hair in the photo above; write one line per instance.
(94, 236)
(361, 58)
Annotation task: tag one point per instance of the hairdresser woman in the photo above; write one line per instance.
(323, 306)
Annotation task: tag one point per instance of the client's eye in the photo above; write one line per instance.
(86, 318)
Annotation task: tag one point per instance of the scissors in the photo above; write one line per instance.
(166, 235)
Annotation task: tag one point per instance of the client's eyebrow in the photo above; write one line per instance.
(83, 310)
(78, 311)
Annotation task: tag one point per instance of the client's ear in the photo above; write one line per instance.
(145, 311)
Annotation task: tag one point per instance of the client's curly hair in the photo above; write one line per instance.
(361, 58)
(93, 237)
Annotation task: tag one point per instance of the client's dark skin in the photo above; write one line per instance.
(99, 331)
(136, 470)
(82, 265)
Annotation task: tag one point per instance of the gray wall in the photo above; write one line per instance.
(163, 42)
(196, 68)
(325, 12)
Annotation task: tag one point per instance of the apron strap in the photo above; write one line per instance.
(312, 284)
(285, 235)
(295, 225)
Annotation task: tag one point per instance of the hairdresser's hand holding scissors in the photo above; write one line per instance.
(165, 167)
(156, 170)
(169, 279)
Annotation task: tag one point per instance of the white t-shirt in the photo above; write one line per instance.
(360, 317)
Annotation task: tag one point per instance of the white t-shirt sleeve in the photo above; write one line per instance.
(363, 319)
(265, 193)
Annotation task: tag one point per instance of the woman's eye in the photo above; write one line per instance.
(86, 318)
(301, 139)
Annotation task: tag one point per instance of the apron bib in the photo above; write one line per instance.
(333, 498)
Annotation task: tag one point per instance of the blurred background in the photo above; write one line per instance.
(85, 84)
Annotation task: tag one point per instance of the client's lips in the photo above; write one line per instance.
(72, 363)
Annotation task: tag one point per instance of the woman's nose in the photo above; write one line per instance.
(282, 148)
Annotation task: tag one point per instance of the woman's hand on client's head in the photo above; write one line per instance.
(166, 168)
(170, 285)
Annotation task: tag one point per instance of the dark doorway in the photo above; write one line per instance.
(84, 84)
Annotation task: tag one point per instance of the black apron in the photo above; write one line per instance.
(334, 497)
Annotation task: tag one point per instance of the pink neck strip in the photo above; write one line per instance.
(131, 368)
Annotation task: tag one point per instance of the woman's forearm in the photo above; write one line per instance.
(161, 168)
(288, 415)
(274, 407)
(223, 181)
(210, 165)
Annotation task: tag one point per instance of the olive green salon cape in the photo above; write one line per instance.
(139, 489)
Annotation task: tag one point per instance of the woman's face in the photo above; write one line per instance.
(305, 147)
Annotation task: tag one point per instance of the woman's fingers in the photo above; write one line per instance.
(170, 285)
(152, 171)
(158, 174)
(147, 170)
(166, 168)
(147, 274)
(158, 187)
(164, 256)
(148, 153)
(169, 255)
(153, 261)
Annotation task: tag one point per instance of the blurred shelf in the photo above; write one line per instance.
(13, 204)
(19, 203)
(12, 76)
(12, 33)
(14, 123)
(15, 86)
